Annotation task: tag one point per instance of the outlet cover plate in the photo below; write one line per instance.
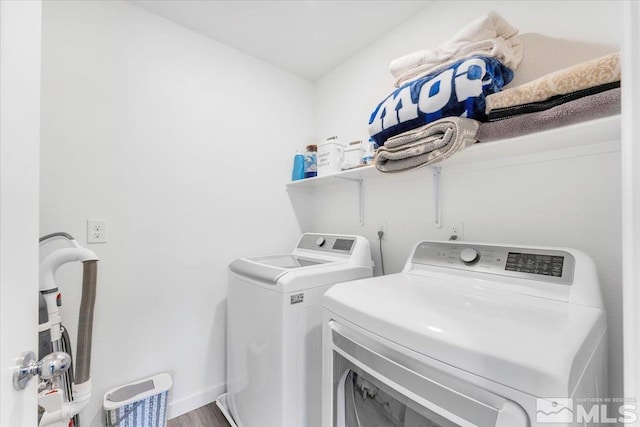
(456, 229)
(96, 231)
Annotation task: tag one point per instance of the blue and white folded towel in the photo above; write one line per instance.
(459, 91)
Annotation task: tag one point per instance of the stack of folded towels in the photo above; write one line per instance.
(586, 91)
(451, 96)
(440, 97)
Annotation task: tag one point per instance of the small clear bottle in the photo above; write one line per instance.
(311, 161)
(370, 152)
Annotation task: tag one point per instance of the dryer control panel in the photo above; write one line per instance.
(545, 265)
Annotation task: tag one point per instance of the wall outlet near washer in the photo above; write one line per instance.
(456, 229)
(96, 231)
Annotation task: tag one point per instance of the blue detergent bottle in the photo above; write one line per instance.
(298, 166)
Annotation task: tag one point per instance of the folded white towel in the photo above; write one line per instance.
(489, 35)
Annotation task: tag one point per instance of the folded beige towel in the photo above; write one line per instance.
(425, 145)
(488, 35)
(582, 76)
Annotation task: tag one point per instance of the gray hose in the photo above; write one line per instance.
(58, 234)
(85, 321)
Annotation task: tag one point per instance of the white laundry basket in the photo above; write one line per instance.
(139, 404)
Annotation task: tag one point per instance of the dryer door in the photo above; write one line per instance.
(376, 386)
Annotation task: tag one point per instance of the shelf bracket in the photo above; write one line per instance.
(360, 198)
(437, 196)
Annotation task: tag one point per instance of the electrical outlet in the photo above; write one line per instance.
(382, 226)
(456, 229)
(96, 231)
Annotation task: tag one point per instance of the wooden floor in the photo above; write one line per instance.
(207, 416)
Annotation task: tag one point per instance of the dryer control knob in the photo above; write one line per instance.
(320, 241)
(469, 256)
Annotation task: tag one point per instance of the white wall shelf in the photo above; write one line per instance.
(592, 137)
(582, 139)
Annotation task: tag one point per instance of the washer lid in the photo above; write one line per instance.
(270, 268)
(531, 344)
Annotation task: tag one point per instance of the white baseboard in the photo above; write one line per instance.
(195, 401)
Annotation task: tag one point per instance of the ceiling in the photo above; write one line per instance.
(306, 37)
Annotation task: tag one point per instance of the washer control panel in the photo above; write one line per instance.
(326, 243)
(536, 264)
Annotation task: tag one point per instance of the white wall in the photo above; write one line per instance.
(183, 145)
(573, 203)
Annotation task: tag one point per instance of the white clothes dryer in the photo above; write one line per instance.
(274, 329)
(467, 335)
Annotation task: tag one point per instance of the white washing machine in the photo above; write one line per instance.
(274, 330)
(467, 335)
